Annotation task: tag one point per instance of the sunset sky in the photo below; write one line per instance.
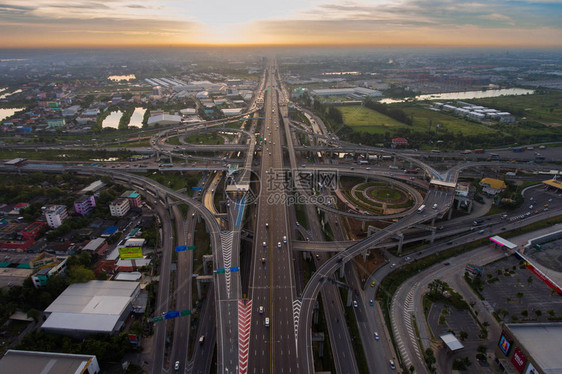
(84, 23)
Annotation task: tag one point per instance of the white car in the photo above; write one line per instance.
(260, 309)
(355, 303)
(376, 336)
(266, 322)
(177, 366)
(284, 239)
(264, 244)
(278, 244)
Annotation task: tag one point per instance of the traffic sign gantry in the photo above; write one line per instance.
(181, 248)
(234, 269)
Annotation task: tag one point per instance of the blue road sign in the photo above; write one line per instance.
(197, 188)
(181, 248)
(234, 269)
(172, 314)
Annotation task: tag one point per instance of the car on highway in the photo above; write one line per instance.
(373, 284)
(278, 244)
(266, 323)
(201, 339)
(355, 305)
(376, 335)
(260, 309)
(263, 260)
(284, 239)
(177, 366)
(266, 225)
(392, 366)
(264, 244)
(371, 302)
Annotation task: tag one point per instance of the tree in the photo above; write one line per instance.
(429, 357)
(463, 335)
(79, 274)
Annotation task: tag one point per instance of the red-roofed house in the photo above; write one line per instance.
(399, 142)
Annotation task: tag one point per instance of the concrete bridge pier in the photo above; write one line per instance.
(450, 214)
(365, 254)
(349, 297)
(342, 270)
(206, 260)
(400, 242)
(432, 234)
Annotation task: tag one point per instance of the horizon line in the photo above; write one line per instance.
(285, 45)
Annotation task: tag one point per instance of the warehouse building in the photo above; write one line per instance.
(90, 308)
(32, 362)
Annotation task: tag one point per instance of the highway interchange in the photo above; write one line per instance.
(277, 291)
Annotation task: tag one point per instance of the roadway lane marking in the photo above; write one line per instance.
(244, 326)
(297, 304)
(226, 242)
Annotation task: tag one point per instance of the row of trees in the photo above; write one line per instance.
(394, 113)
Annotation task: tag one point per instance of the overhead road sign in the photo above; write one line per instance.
(181, 248)
(172, 314)
(191, 247)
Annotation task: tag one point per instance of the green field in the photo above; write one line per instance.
(544, 106)
(366, 120)
(211, 139)
(427, 120)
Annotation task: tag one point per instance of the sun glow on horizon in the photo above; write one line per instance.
(40, 23)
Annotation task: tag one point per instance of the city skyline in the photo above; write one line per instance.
(102, 23)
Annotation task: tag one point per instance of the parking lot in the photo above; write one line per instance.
(517, 295)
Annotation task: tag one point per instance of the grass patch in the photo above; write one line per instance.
(494, 209)
(175, 181)
(175, 140)
(209, 139)
(426, 120)
(364, 119)
(386, 194)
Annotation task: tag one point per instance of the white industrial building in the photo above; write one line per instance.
(188, 111)
(91, 307)
(32, 362)
(231, 112)
(164, 119)
(55, 215)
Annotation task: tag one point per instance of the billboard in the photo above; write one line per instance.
(518, 360)
(504, 343)
(130, 252)
(531, 369)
